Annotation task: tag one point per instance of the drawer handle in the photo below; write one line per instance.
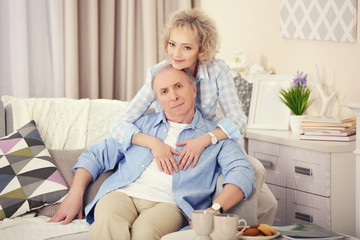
(304, 217)
(303, 171)
(267, 164)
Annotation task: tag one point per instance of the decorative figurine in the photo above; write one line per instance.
(325, 99)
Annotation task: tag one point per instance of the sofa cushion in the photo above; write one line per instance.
(65, 161)
(29, 178)
(64, 123)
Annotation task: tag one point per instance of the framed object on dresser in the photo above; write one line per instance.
(266, 109)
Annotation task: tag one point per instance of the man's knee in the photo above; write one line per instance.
(270, 204)
(260, 172)
(158, 221)
(109, 226)
(114, 214)
(267, 206)
(147, 231)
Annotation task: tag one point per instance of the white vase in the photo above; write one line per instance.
(295, 122)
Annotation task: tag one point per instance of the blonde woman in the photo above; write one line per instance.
(190, 40)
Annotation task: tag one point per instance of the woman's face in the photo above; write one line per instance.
(183, 48)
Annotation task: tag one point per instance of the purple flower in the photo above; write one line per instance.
(300, 78)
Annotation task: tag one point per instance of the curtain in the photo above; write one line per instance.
(118, 42)
(31, 50)
(80, 48)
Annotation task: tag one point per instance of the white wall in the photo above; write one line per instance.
(253, 27)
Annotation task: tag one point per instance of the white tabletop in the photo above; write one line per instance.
(183, 235)
(190, 235)
(289, 139)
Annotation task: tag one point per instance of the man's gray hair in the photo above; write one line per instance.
(162, 67)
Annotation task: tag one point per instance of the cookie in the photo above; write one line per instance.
(251, 232)
(241, 228)
(268, 227)
(254, 226)
(264, 230)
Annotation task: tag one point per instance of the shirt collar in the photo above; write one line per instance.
(197, 122)
(202, 71)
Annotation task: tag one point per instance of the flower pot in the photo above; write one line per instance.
(295, 122)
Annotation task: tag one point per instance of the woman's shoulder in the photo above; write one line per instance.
(220, 61)
(213, 68)
(216, 65)
(215, 62)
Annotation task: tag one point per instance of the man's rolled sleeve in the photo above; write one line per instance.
(236, 168)
(246, 183)
(100, 157)
(85, 163)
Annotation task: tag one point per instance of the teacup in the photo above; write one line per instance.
(202, 223)
(226, 226)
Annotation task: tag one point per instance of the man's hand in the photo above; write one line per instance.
(164, 157)
(71, 206)
(192, 150)
(73, 203)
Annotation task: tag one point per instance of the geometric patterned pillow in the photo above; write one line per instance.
(64, 161)
(28, 177)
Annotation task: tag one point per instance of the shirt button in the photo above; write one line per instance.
(165, 130)
(143, 166)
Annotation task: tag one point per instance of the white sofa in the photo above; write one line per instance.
(67, 127)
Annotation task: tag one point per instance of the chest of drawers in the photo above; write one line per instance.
(313, 181)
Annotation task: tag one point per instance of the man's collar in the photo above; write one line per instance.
(197, 122)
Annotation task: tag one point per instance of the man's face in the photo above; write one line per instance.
(175, 95)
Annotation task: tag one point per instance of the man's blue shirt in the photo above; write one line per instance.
(192, 188)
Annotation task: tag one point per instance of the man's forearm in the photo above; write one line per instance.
(72, 205)
(81, 180)
(230, 195)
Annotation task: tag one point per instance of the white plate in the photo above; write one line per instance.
(259, 237)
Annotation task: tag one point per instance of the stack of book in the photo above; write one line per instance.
(328, 129)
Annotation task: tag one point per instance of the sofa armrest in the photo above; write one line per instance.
(2, 120)
(6, 119)
(9, 125)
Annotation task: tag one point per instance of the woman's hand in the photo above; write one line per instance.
(164, 157)
(192, 150)
(163, 153)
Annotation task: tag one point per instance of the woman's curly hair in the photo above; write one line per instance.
(200, 23)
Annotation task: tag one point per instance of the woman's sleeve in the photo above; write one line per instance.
(123, 128)
(235, 121)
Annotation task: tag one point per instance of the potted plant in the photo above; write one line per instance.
(296, 98)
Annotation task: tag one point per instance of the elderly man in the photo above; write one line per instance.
(139, 201)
